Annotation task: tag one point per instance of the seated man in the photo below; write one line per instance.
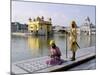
(55, 54)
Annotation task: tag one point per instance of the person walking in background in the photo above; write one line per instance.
(55, 54)
(73, 39)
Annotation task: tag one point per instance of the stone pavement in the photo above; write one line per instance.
(33, 65)
(39, 64)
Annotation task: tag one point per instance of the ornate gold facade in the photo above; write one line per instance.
(40, 26)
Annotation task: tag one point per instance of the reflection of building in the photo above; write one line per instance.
(33, 42)
(40, 26)
(85, 41)
(38, 44)
(87, 27)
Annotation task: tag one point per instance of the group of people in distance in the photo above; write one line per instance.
(55, 53)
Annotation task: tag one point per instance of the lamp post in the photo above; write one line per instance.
(66, 43)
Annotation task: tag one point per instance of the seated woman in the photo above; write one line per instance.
(55, 54)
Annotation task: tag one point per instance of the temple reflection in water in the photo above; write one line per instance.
(37, 44)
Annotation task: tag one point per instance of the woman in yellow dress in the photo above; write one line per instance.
(73, 39)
